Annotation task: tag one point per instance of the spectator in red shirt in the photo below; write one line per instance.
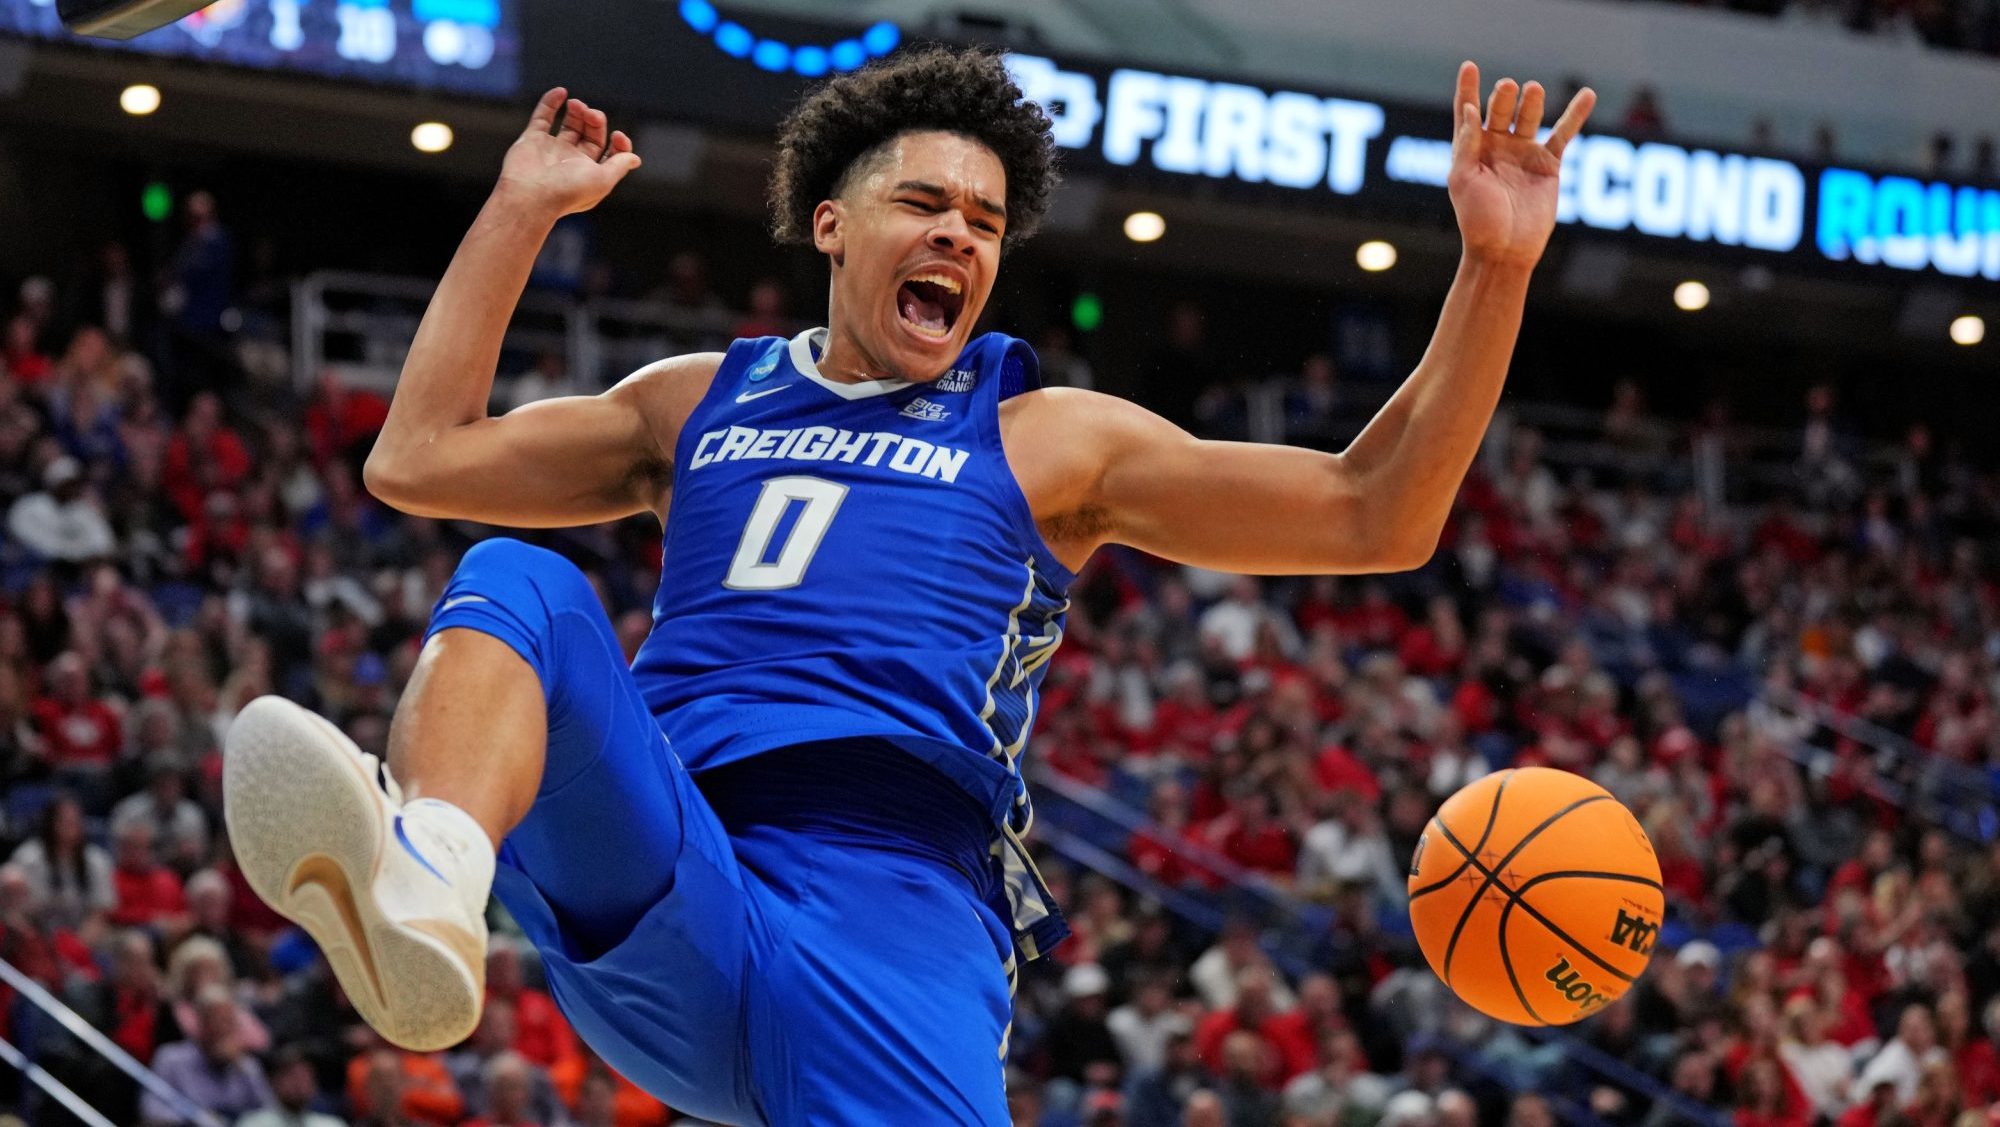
(543, 1036)
(767, 311)
(205, 456)
(1252, 836)
(1876, 1109)
(22, 356)
(1298, 1034)
(1969, 1054)
(1161, 849)
(1438, 646)
(149, 894)
(1253, 1013)
(80, 732)
(1337, 769)
(1765, 1100)
(342, 422)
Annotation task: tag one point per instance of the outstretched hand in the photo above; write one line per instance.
(1503, 178)
(570, 169)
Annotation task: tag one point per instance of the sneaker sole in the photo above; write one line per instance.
(310, 829)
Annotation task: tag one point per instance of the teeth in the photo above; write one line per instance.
(950, 284)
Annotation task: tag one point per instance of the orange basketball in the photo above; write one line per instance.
(1536, 896)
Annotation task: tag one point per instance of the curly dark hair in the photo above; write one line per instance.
(967, 92)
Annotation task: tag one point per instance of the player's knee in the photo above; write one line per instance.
(559, 582)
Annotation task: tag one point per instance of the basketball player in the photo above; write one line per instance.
(774, 867)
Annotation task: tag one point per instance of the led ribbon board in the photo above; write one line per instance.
(468, 46)
(1374, 156)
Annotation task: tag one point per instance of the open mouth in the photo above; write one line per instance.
(931, 303)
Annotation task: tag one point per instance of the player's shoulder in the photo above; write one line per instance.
(667, 391)
(1076, 416)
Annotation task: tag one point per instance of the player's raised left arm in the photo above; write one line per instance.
(1380, 505)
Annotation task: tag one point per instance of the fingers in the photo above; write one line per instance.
(1529, 119)
(1500, 106)
(1465, 136)
(572, 121)
(1571, 122)
(620, 143)
(595, 125)
(544, 117)
(1468, 88)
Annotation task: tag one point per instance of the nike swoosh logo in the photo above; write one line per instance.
(749, 395)
(412, 850)
(450, 603)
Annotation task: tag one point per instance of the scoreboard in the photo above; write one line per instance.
(465, 46)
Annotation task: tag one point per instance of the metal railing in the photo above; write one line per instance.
(1957, 797)
(368, 320)
(74, 1024)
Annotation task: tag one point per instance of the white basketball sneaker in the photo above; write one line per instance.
(394, 894)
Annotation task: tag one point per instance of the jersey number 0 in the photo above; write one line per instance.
(754, 568)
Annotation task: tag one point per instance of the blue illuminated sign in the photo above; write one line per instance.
(1190, 126)
(810, 60)
(470, 46)
(1907, 224)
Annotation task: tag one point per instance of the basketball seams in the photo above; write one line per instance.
(1492, 817)
(1559, 933)
(1507, 962)
(1514, 898)
(1629, 878)
(1492, 875)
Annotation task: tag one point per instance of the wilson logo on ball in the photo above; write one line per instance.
(1634, 933)
(1569, 981)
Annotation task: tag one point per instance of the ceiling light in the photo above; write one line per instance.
(431, 137)
(139, 99)
(1691, 296)
(1144, 226)
(1968, 330)
(1375, 256)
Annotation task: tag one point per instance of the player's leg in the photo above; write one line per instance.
(525, 713)
(471, 729)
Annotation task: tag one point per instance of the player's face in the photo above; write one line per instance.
(915, 243)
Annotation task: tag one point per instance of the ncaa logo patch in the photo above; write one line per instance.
(763, 368)
(1634, 933)
(958, 379)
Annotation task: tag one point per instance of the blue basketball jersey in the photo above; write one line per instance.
(850, 561)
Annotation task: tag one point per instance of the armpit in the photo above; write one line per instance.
(1086, 524)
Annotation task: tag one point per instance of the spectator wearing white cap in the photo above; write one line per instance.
(62, 521)
(1409, 1109)
(1078, 1040)
(1703, 961)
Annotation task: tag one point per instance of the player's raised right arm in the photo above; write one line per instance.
(567, 461)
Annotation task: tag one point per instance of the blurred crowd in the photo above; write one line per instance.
(1795, 696)
(1956, 25)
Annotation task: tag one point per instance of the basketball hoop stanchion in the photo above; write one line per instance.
(123, 19)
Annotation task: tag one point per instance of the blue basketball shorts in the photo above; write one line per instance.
(762, 977)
